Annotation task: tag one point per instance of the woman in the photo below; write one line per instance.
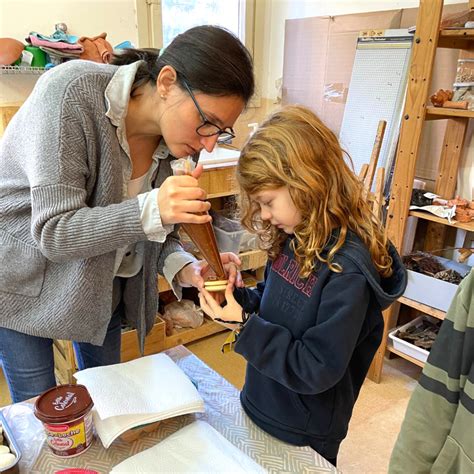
(88, 203)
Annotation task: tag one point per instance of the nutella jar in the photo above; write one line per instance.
(67, 420)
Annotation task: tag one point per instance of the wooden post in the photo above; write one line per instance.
(447, 176)
(419, 79)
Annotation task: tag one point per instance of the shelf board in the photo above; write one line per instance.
(456, 38)
(469, 226)
(187, 335)
(439, 113)
(21, 70)
(436, 313)
(223, 194)
(465, 33)
(391, 349)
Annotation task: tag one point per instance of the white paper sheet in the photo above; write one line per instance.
(196, 448)
(134, 393)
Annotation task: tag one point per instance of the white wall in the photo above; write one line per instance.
(277, 11)
(83, 17)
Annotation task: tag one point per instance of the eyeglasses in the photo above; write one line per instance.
(207, 128)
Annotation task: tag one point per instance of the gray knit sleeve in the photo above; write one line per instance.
(75, 172)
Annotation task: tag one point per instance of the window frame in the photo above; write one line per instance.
(150, 33)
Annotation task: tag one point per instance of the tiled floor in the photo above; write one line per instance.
(377, 414)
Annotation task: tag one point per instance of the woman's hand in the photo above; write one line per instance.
(232, 311)
(196, 273)
(180, 198)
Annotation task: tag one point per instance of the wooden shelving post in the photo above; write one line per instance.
(419, 78)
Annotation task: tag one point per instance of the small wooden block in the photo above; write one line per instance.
(135, 433)
(217, 285)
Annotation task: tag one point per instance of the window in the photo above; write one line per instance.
(180, 15)
(159, 21)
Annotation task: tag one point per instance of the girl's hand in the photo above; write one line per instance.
(232, 311)
(180, 198)
(194, 274)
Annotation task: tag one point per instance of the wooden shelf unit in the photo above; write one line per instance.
(429, 310)
(469, 226)
(439, 113)
(428, 37)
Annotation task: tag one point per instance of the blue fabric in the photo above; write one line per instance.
(57, 36)
(311, 345)
(28, 361)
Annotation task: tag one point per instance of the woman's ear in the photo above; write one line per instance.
(166, 79)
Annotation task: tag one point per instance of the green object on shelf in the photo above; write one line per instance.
(39, 56)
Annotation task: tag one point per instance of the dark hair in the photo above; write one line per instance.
(211, 59)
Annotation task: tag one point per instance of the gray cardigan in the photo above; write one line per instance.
(62, 217)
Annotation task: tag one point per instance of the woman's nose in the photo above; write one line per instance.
(209, 142)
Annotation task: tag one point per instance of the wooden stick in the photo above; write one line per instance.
(363, 172)
(374, 158)
(378, 194)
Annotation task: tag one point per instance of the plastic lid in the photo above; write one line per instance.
(76, 470)
(63, 403)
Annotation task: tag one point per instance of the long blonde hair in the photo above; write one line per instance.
(294, 148)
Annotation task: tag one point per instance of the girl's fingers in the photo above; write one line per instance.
(211, 302)
(205, 306)
(229, 293)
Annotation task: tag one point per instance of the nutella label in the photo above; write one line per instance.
(61, 403)
(69, 439)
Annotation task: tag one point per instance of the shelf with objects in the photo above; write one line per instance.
(427, 298)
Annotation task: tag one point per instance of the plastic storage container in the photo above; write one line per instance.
(10, 452)
(407, 348)
(464, 73)
(230, 235)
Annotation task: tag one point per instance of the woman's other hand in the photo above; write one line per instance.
(196, 273)
(180, 198)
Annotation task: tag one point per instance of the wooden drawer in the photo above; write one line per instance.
(154, 342)
(219, 182)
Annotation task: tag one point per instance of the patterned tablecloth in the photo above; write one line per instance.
(223, 412)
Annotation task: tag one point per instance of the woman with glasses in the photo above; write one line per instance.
(88, 202)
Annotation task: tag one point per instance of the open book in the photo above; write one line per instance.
(138, 392)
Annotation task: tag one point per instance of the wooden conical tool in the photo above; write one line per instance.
(204, 239)
(203, 235)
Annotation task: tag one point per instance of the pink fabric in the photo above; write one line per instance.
(56, 44)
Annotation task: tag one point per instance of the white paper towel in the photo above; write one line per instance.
(134, 393)
(196, 448)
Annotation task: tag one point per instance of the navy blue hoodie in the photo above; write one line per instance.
(310, 342)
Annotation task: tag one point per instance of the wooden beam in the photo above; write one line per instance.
(447, 176)
(390, 316)
(419, 79)
(418, 86)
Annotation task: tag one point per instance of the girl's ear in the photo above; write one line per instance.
(166, 79)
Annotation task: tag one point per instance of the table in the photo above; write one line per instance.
(223, 411)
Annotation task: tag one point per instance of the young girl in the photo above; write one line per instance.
(309, 331)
